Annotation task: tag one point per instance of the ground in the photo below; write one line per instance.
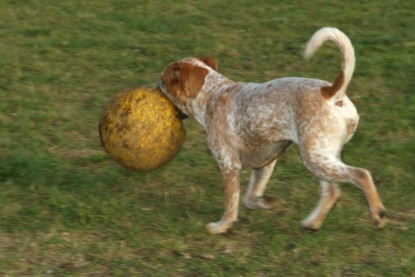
(66, 209)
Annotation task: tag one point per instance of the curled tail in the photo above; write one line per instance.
(338, 88)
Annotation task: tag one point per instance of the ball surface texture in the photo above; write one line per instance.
(141, 129)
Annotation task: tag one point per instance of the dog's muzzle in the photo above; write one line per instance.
(182, 115)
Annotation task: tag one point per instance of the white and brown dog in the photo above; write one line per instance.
(251, 125)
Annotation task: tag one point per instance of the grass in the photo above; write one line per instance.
(67, 210)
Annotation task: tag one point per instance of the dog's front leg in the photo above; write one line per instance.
(231, 184)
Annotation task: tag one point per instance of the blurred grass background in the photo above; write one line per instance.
(67, 210)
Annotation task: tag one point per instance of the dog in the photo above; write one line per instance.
(250, 125)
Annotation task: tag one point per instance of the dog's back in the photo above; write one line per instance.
(270, 110)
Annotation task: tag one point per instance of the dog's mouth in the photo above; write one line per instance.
(183, 116)
(161, 88)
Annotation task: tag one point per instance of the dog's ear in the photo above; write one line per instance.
(212, 62)
(192, 78)
(184, 80)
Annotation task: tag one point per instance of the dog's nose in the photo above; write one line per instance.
(183, 116)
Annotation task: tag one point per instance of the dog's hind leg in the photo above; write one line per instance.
(330, 168)
(254, 198)
(329, 195)
(363, 180)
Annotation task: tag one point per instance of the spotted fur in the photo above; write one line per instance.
(251, 125)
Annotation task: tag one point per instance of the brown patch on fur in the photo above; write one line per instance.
(329, 92)
(184, 80)
(212, 62)
(192, 78)
(339, 103)
(357, 173)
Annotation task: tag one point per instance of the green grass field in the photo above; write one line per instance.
(66, 209)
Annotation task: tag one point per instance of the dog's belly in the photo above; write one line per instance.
(256, 156)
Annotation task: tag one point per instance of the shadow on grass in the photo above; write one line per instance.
(41, 168)
(40, 190)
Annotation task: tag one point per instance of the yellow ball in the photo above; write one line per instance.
(141, 129)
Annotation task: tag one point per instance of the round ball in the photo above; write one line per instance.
(141, 129)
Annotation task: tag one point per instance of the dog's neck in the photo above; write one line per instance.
(215, 84)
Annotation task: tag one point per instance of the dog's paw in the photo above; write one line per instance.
(379, 218)
(217, 228)
(265, 202)
(311, 225)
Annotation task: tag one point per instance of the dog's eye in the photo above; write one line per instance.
(174, 79)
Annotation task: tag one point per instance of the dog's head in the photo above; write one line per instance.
(183, 80)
